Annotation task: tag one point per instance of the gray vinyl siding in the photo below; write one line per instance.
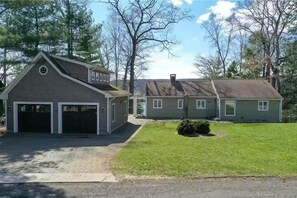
(76, 70)
(121, 110)
(52, 87)
(247, 111)
(208, 113)
(170, 110)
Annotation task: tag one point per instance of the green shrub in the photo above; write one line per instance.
(186, 127)
(202, 127)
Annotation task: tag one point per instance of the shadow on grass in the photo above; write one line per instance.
(197, 135)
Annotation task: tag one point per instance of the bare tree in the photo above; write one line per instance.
(219, 36)
(268, 19)
(148, 23)
(209, 67)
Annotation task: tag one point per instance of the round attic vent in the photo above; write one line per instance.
(43, 70)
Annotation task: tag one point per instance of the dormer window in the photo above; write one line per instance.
(93, 75)
(97, 76)
(104, 77)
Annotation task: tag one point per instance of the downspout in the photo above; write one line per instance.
(218, 99)
(108, 99)
(5, 110)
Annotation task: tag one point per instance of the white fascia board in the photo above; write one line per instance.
(75, 80)
(4, 94)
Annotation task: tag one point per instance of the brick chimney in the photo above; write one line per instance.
(172, 78)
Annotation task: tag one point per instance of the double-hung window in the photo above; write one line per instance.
(180, 103)
(97, 76)
(157, 103)
(263, 105)
(230, 108)
(200, 104)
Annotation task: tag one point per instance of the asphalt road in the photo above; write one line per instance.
(268, 187)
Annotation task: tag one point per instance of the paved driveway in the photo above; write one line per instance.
(44, 153)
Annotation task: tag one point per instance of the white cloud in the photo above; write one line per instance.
(203, 17)
(189, 1)
(178, 3)
(222, 9)
(163, 65)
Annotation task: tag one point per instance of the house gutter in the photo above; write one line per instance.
(218, 98)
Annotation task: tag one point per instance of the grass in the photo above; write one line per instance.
(235, 150)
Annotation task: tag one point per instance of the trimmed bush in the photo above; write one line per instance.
(202, 126)
(186, 127)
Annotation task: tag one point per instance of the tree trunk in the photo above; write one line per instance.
(36, 32)
(4, 67)
(125, 77)
(133, 56)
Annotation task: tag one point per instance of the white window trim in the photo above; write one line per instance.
(41, 67)
(262, 101)
(201, 100)
(113, 119)
(60, 104)
(182, 103)
(15, 114)
(157, 103)
(97, 76)
(100, 77)
(230, 102)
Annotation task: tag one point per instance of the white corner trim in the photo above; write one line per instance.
(108, 115)
(280, 110)
(60, 121)
(15, 114)
(114, 112)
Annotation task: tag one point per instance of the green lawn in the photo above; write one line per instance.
(235, 150)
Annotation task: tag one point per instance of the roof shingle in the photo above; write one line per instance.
(246, 89)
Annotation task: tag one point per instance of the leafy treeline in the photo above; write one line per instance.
(61, 27)
(257, 41)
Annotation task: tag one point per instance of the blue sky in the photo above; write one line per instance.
(189, 33)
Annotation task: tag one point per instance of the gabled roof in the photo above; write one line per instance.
(199, 88)
(89, 66)
(245, 89)
(61, 70)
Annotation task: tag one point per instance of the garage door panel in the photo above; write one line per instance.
(79, 119)
(34, 118)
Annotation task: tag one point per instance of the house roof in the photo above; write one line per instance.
(111, 90)
(108, 90)
(199, 88)
(89, 66)
(245, 89)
